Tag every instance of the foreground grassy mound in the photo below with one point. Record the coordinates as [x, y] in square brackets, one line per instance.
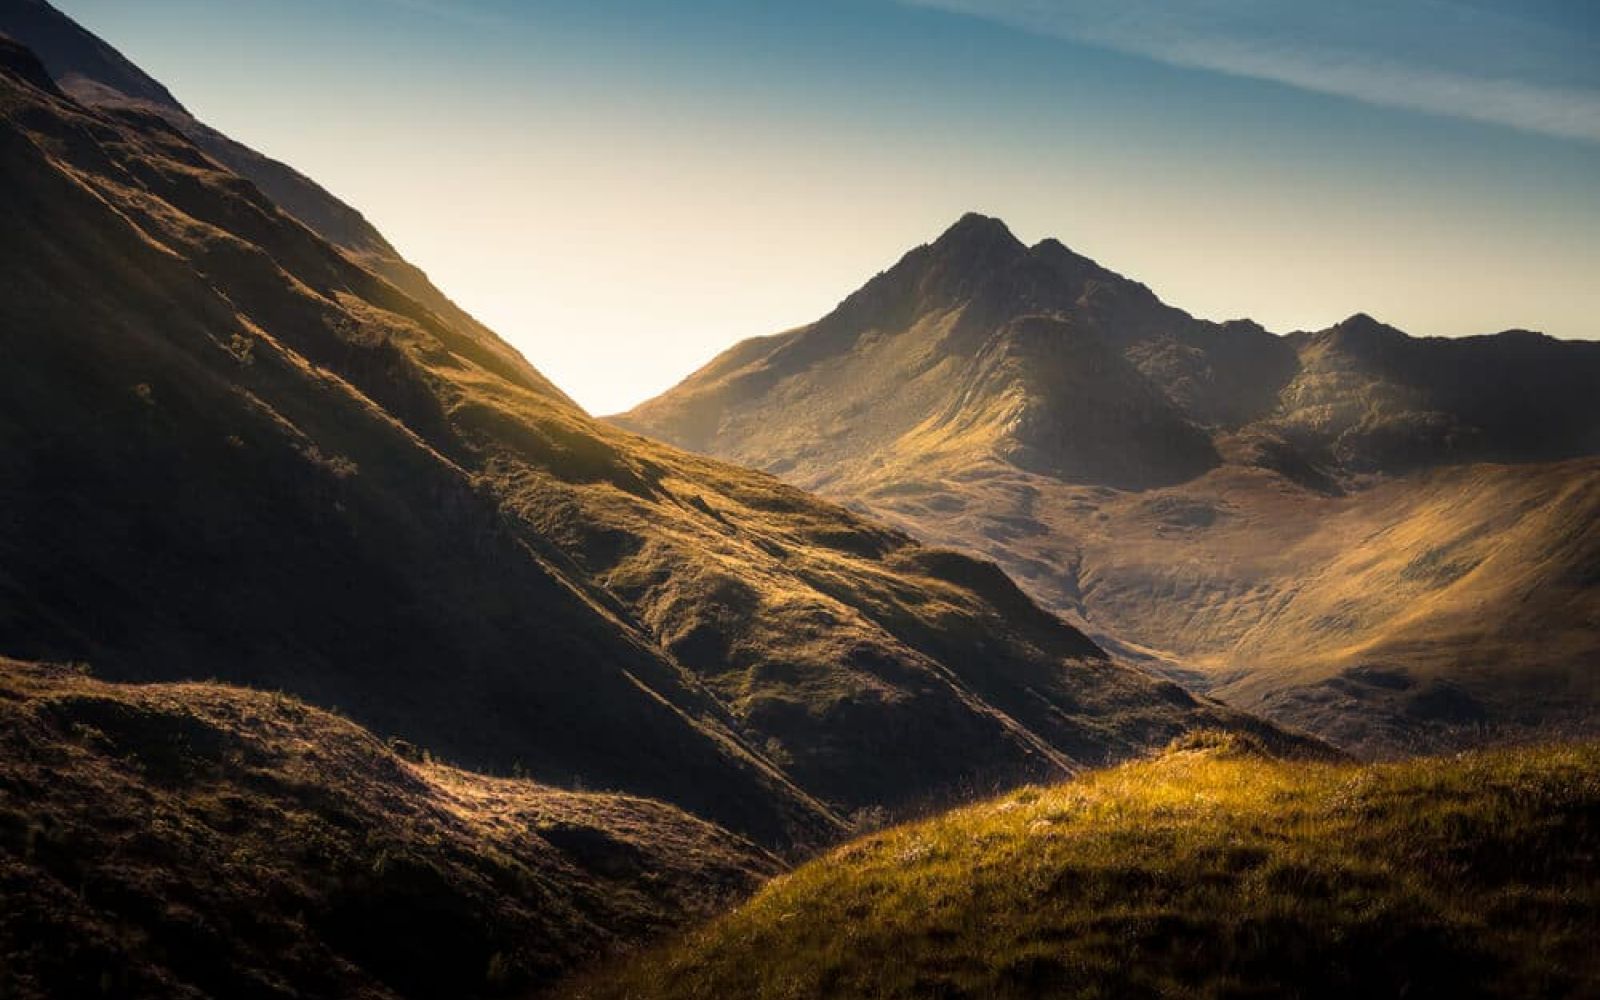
[1211, 871]
[197, 840]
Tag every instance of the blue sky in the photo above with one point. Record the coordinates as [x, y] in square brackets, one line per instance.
[622, 188]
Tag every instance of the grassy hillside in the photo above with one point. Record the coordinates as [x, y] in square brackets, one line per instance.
[197, 840]
[1459, 603]
[1328, 528]
[1419, 613]
[1212, 870]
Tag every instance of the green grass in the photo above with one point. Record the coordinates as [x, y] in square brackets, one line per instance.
[1210, 871]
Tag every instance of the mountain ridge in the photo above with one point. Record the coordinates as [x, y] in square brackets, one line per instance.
[342, 654]
[96, 74]
[1167, 482]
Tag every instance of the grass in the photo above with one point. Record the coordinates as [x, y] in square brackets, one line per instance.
[1212, 870]
[198, 840]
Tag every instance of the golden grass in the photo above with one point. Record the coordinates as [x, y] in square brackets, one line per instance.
[1209, 871]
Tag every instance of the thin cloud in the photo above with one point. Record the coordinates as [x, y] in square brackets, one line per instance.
[1329, 52]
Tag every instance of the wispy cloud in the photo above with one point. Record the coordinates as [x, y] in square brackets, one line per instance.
[1443, 57]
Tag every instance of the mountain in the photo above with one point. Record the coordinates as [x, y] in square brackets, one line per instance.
[1385, 539]
[969, 346]
[234, 451]
[1211, 871]
[97, 75]
[200, 840]
[228, 455]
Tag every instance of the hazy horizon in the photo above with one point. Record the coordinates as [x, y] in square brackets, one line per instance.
[623, 191]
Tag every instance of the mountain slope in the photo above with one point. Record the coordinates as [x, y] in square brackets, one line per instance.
[916, 346]
[1210, 871]
[203, 475]
[1211, 499]
[235, 452]
[1368, 398]
[199, 840]
[963, 348]
[1461, 600]
[96, 74]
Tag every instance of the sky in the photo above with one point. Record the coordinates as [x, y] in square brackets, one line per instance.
[623, 188]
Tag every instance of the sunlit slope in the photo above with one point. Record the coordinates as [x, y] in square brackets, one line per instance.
[978, 347]
[1424, 611]
[1209, 871]
[198, 840]
[1463, 599]
[1255, 514]
[239, 453]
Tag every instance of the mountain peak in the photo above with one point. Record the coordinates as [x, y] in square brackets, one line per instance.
[80, 63]
[1361, 322]
[974, 229]
[1361, 333]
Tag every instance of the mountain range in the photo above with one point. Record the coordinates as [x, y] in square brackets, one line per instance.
[245, 444]
[1390, 541]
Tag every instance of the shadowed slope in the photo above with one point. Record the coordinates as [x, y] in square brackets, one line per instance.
[78, 60]
[220, 465]
[1211, 871]
[1368, 398]
[199, 841]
